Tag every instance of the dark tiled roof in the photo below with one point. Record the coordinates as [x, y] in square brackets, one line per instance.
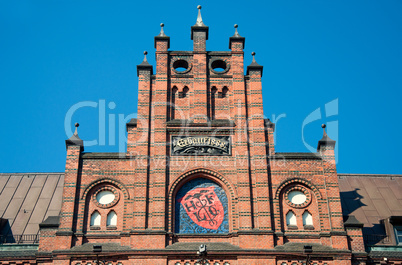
[18, 253]
[299, 247]
[106, 247]
[21, 251]
[371, 198]
[27, 199]
[219, 246]
[388, 254]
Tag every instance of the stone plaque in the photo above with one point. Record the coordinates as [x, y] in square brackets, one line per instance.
[201, 145]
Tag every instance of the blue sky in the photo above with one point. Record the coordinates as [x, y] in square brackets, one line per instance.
[336, 62]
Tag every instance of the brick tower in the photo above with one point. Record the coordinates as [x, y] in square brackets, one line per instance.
[200, 168]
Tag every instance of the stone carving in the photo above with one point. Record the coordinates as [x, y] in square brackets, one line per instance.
[201, 145]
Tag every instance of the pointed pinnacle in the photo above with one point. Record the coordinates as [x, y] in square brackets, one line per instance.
[75, 139]
[254, 65]
[323, 126]
[325, 140]
[199, 18]
[76, 128]
[162, 33]
[145, 56]
[325, 136]
[145, 62]
[236, 33]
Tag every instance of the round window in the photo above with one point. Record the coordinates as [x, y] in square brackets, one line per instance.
[181, 66]
[218, 66]
[297, 197]
[105, 197]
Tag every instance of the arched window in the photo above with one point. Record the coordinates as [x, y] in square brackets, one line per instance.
[307, 218]
[291, 219]
[223, 93]
[95, 219]
[111, 219]
[184, 92]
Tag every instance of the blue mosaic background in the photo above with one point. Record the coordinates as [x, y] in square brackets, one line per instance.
[184, 224]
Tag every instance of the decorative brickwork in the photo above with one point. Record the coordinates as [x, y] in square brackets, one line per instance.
[249, 206]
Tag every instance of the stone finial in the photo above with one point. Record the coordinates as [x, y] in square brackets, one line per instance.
[325, 140]
[236, 38]
[145, 61]
[323, 126]
[254, 62]
[76, 128]
[236, 32]
[144, 65]
[162, 33]
[199, 18]
[254, 65]
[162, 37]
[145, 57]
[75, 139]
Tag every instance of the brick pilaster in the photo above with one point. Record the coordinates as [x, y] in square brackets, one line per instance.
[140, 148]
[71, 192]
[157, 170]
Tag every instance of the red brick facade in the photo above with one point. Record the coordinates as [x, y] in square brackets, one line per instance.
[258, 182]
